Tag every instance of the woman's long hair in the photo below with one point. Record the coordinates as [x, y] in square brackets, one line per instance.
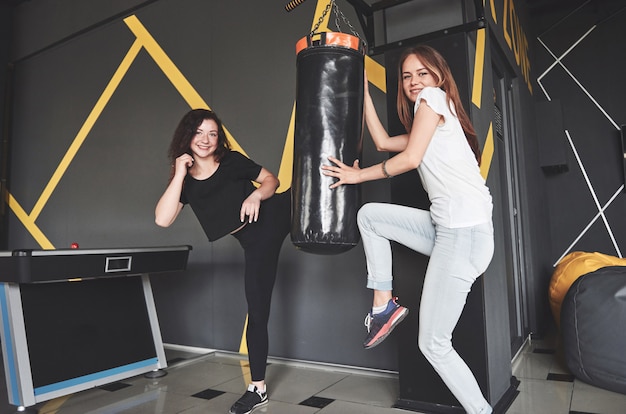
[186, 129]
[437, 66]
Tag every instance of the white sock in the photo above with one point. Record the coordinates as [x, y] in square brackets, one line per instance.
[378, 309]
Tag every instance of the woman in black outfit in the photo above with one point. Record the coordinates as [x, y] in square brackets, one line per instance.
[217, 183]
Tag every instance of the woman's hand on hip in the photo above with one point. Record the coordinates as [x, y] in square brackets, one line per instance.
[250, 208]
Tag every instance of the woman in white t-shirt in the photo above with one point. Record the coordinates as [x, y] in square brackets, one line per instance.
[457, 231]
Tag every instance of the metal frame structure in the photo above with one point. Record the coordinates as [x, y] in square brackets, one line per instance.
[366, 11]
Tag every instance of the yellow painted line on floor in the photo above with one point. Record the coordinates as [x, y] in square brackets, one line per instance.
[52, 406]
[245, 371]
[243, 346]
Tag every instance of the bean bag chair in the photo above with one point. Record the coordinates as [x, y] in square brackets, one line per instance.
[593, 321]
[570, 268]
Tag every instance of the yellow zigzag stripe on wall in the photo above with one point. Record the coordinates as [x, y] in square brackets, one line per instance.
[29, 219]
[375, 75]
[170, 70]
[477, 96]
[29, 223]
[479, 60]
[145, 40]
[182, 85]
[487, 154]
[493, 10]
[85, 129]
[286, 164]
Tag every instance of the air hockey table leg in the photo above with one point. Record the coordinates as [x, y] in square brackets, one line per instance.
[26, 410]
[157, 373]
[156, 329]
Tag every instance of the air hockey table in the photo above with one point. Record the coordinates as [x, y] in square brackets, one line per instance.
[73, 319]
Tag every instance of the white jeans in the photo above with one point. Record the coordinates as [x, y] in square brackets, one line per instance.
[457, 257]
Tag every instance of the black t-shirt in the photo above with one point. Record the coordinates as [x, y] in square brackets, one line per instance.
[216, 201]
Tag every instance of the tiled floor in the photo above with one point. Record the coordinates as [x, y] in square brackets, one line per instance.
[210, 383]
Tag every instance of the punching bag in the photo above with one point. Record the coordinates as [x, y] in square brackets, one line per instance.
[328, 121]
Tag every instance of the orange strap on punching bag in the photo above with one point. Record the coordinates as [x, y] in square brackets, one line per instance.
[329, 121]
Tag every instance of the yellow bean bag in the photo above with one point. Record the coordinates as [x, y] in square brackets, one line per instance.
[570, 268]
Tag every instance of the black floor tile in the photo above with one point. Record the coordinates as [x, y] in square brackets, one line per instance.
[543, 351]
[208, 394]
[317, 402]
[560, 377]
[114, 386]
[175, 360]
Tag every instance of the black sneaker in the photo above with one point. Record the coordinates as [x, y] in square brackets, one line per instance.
[252, 399]
[379, 326]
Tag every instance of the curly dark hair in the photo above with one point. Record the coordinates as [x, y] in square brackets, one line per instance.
[187, 127]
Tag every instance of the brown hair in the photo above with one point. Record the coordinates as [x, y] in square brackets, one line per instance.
[437, 66]
[186, 129]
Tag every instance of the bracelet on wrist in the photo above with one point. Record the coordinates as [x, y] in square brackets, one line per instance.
[385, 173]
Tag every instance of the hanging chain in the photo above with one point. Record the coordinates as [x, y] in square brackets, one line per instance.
[322, 17]
[337, 13]
[345, 20]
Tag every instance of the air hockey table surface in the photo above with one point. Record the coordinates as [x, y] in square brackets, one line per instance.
[73, 319]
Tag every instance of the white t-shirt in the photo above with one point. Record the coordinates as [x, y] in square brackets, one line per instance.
[449, 171]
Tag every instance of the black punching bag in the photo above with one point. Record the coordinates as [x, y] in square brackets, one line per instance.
[329, 121]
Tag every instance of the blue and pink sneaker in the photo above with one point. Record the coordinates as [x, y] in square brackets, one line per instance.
[380, 325]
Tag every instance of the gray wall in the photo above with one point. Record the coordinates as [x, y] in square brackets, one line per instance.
[585, 174]
[5, 44]
[589, 87]
[241, 62]
[511, 36]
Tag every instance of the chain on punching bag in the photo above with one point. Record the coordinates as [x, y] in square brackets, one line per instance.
[329, 121]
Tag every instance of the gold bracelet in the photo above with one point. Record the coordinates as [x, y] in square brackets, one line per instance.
[385, 173]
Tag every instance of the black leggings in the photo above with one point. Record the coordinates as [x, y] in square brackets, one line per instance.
[262, 242]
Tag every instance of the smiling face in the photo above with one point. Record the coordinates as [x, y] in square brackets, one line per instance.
[415, 77]
[205, 139]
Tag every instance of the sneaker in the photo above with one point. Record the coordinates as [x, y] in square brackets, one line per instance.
[252, 399]
[379, 326]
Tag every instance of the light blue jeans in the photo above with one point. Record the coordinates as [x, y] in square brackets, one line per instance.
[457, 257]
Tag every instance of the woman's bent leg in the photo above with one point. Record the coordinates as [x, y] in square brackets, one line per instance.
[380, 223]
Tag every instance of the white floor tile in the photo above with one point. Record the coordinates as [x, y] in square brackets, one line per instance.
[588, 398]
[349, 391]
[545, 397]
